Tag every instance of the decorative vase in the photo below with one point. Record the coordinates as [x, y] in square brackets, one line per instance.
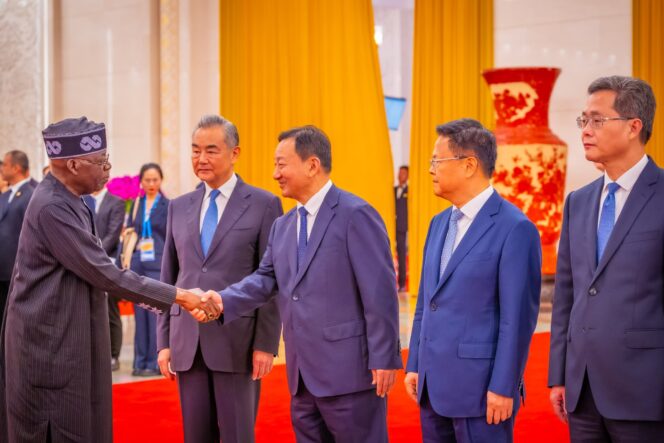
[532, 160]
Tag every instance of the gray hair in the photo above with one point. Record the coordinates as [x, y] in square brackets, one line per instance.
[231, 136]
[468, 137]
[634, 99]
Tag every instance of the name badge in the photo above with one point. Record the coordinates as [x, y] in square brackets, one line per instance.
[146, 246]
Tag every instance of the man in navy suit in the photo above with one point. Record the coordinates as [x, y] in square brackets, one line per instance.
[13, 203]
[478, 299]
[215, 236]
[606, 364]
[329, 265]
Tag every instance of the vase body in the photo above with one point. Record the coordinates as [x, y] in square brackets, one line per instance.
[532, 160]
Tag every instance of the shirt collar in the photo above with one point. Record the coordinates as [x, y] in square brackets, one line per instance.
[99, 197]
[226, 189]
[316, 200]
[473, 207]
[15, 187]
[629, 178]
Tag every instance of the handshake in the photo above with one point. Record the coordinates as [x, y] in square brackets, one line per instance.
[203, 306]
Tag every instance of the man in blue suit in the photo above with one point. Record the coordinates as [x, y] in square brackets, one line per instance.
[478, 299]
[328, 262]
[606, 364]
[15, 170]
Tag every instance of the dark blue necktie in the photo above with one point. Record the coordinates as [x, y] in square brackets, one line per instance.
[302, 238]
[607, 219]
[209, 222]
[91, 203]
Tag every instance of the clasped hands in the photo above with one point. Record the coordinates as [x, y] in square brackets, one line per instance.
[203, 306]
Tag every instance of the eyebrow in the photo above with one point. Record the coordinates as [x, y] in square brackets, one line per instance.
[194, 145]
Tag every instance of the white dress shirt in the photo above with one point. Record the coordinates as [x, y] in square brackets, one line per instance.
[98, 199]
[225, 192]
[470, 211]
[15, 187]
[312, 207]
[626, 183]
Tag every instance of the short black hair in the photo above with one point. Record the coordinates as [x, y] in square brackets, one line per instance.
[403, 167]
[146, 167]
[469, 137]
[20, 159]
[634, 99]
[311, 141]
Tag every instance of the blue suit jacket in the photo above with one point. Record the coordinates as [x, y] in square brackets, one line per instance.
[11, 221]
[340, 309]
[159, 218]
[472, 327]
[608, 317]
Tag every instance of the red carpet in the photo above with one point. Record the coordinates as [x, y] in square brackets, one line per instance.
[150, 411]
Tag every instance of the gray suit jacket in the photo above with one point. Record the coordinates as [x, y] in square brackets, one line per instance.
[236, 249]
[108, 220]
[608, 317]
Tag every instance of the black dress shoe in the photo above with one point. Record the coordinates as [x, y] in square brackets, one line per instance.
[115, 364]
[136, 372]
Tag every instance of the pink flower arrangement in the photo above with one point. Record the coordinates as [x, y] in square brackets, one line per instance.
[127, 187]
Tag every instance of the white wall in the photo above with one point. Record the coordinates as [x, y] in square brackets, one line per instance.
[586, 39]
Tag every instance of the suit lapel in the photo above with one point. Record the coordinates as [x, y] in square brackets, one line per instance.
[435, 251]
[237, 204]
[4, 204]
[638, 197]
[482, 222]
[193, 219]
[325, 215]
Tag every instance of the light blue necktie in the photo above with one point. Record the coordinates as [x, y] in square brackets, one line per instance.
[450, 238]
[302, 237]
[607, 219]
[209, 222]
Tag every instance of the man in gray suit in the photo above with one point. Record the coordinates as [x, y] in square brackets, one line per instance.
[606, 365]
[109, 212]
[13, 203]
[216, 235]
[55, 380]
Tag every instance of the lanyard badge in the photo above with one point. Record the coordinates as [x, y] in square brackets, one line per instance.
[146, 245]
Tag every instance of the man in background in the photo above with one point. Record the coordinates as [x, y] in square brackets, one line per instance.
[478, 300]
[215, 236]
[607, 327]
[109, 212]
[401, 205]
[15, 171]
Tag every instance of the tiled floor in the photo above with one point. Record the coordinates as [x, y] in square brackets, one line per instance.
[406, 309]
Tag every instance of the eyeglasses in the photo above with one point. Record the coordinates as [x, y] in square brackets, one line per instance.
[434, 161]
[102, 163]
[596, 122]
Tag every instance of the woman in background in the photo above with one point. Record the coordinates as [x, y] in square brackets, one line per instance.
[150, 224]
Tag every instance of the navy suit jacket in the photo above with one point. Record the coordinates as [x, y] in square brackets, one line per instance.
[11, 220]
[608, 317]
[340, 309]
[158, 219]
[235, 252]
[473, 326]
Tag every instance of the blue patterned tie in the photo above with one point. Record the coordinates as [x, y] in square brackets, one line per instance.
[448, 247]
[209, 222]
[302, 236]
[607, 219]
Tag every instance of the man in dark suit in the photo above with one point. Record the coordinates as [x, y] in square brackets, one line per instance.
[109, 213]
[478, 299]
[13, 203]
[215, 236]
[607, 329]
[329, 265]
[401, 205]
[55, 380]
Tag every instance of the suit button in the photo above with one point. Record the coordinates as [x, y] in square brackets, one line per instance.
[592, 291]
[433, 306]
[204, 269]
[296, 298]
